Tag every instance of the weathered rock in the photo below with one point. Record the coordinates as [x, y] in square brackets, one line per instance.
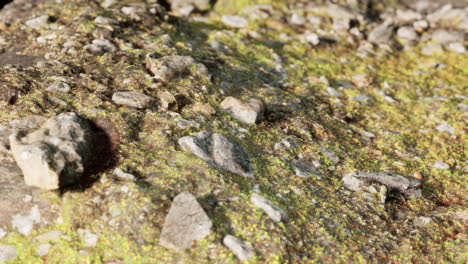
[43, 249]
[100, 46]
[274, 212]
[441, 165]
[133, 99]
[50, 236]
[450, 17]
[205, 109]
[234, 21]
[409, 187]
[406, 16]
[362, 80]
[38, 22]
[456, 47]
[8, 253]
[407, 34]
[444, 36]
[185, 223]
[219, 151]
[168, 68]
[248, 112]
[242, 249]
[333, 92]
[431, 49]
[55, 155]
[304, 170]
[168, 101]
[446, 127]
[382, 33]
[363, 99]
[286, 143]
[60, 87]
[201, 5]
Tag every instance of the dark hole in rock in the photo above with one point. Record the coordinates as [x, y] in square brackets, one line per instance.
[4, 3]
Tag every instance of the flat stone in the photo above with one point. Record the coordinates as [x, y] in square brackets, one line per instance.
[54, 155]
[333, 92]
[274, 212]
[50, 236]
[201, 5]
[242, 249]
[382, 33]
[362, 80]
[219, 151]
[248, 112]
[234, 21]
[407, 34]
[446, 127]
[168, 68]
[44, 249]
[100, 46]
[445, 36]
[363, 99]
[38, 22]
[441, 165]
[185, 223]
[133, 99]
[8, 253]
[60, 87]
[409, 187]
[304, 170]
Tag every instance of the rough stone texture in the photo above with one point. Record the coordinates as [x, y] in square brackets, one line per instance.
[409, 187]
[199, 4]
[168, 68]
[8, 253]
[446, 127]
[304, 170]
[234, 21]
[219, 151]
[61, 87]
[55, 155]
[21, 206]
[274, 212]
[382, 33]
[100, 46]
[444, 36]
[242, 249]
[407, 34]
[132, 99]
[248, 112]
[185, 223]
[38, 22]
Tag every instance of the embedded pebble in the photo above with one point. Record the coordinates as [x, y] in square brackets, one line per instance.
[8, 253]
[441, 165]
[132, 99]
[234, 21]
[274, 212]
[60, 87]
[446, 127]
[242, 249]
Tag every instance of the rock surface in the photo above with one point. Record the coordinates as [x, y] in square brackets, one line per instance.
[273, 211]
[219, 151]
[8, 253]
[185, 223]
[248, 112]
[168, 68]
[243, 250]
[132, 99]
[55, 155]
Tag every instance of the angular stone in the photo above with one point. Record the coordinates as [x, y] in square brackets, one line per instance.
[409, 187]
[362, 80]
[205, 109]
[100, 46]
[304, 170]
[219, 151]
[54, 155]
[446, 127]
[38, 22]
[234, 21]
[168, 68]
[185, 223]
[248, 112]
[8, 253]
[241, 248]
[382, 33]
[407, 34]
[60, 87]
[274, 212]
[133, 99]
[201, 5]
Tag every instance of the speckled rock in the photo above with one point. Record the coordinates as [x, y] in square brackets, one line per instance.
[132, 99]
[60, 87]
[248, 112]
[383, 33]
[219, 151]
[234, 21]
[273, 211]
[185, 223]
[168, 68]
[100, 46]
[243, 250]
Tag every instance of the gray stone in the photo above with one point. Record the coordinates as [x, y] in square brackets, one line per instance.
[304, 170]
[312, 38]
[38, 22]
[286, 143]
[446, 127]
[219, 151]
[445, 36]
[421, 221]
[409, 187]
[123, 175]
[8, 253]
[456, 47]
[168, 68]
[201, 5]
[25, 223]
[331, 155]
[100, 46]
[242, 249]
[2, 233]
[89, 238]
[407, 16]
[50, 236]
[450, 17]
[248, 112]
[431, 49]
[441, 165]
[60, 87]
[297, 19]
[420, 25]
[363, 99]
[185, 223]
[333, 92]
[54, 155]
[382, 33]
[184, 123]
[407, 34]
[133, 99]
[44, 249]
[274, 212]
[234, 21]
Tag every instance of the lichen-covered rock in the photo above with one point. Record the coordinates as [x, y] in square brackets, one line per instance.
[168, 68]
[185, 223]
[409, 187]
[248, 112]
[54, 155]
[273, 211]
[219, 151]
[133, 99]
[241, 248]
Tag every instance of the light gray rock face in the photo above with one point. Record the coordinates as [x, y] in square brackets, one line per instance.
[407, 34]
[219, 151]
[248, 112]
[243, 250]
[185, 223]
[446, 127]
[444, 36]
[382, 33]
[201, 5]
[133, 99]
[274, 212]
[54, 155]
[8, 253]
[441, 165]
[43, 249]
[38, 22]
[304, 170]
[409, 187]
[60, 87]
[168, 68]
[100, 46]
[234, 21]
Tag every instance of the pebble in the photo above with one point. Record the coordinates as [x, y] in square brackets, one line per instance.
[243, 250]
[234, 21]
[446, 127]
[38, 22]
[44, 249]
[333, 92]
[362, 80]
[8, 253]
[274, 212]
[123, 175]
[100, 46]
[60, 87]
[441, 165]
[248, 112]
[132, 99]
